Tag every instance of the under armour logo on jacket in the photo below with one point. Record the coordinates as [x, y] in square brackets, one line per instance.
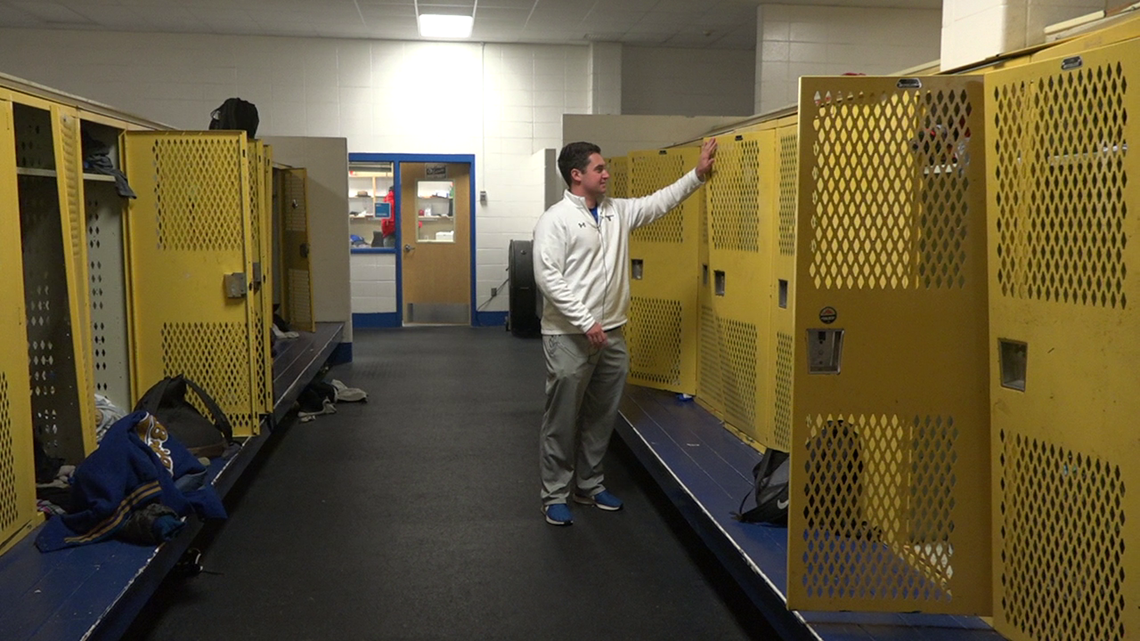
[581, 225]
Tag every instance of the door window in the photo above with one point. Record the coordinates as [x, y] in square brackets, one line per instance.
[435, 207]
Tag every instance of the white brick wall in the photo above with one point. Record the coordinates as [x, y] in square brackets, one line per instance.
[794, 41]
[605, 69]
[687, 82]
[373, 278]
[501, 103]
[973, 30]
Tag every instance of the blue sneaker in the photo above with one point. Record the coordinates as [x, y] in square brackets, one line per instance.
[602, 500]
[557, 514]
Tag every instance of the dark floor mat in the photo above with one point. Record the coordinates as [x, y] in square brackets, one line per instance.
[416, 516]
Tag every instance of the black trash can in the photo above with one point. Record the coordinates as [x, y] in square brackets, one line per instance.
[523, 319]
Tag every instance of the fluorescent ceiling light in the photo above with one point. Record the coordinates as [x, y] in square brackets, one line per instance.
[433, 25]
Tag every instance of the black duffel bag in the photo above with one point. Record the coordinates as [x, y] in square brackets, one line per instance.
[167, 401]
[236, 114]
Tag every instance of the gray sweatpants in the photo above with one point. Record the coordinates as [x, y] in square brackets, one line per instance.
[583, 390]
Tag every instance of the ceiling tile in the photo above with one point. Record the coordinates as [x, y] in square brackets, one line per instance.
[731, 23]
[13, 17]
[507, 4]
[51, 12]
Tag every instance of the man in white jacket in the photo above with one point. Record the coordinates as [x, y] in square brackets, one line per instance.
[581, 266]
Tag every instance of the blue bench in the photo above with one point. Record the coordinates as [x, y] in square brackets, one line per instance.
[706, 471]
[96, 591]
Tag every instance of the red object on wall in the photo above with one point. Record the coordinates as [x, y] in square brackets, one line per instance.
[388, 225]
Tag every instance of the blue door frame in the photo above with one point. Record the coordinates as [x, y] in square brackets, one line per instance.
[397, 319]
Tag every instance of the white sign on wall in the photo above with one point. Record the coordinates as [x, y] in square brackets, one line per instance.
[436, 171]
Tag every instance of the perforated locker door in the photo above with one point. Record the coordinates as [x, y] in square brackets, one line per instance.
[781, 306]
[69, 178]
[665, 277]
[190, 260]
[739, 210]
[890, 476]
[298, 290]
[62, 412]
[618, 168]
[1063, 298]
[268, 257]
[18, 513]
[259, 327]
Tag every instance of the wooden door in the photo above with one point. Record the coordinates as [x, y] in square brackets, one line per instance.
[435, 220]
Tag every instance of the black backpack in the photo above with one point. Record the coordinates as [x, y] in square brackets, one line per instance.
[167, 401]
[771, 475]
[237, 114]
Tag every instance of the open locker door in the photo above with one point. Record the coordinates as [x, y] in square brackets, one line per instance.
[295, 268]
[190, 261]
[73, 222]
[260, 287]
[18, 513]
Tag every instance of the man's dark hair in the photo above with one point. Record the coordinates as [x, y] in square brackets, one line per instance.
[576, 155]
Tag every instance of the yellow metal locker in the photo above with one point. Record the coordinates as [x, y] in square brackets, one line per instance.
[618, 186]
[665, 277]
[1063, 346]
[18, 514]
[190, 257]
[890, 482]
[740, 208]
[260, 308]
[295, 268]
[56, 294]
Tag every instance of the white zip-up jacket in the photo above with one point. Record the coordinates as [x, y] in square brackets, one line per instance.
[582, 267]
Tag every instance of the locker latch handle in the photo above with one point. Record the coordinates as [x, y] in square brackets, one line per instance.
[304, 250]
[235, 285]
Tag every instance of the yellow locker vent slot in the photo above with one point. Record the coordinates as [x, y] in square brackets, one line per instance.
[648, 174]
[296, 218]
[299, 290]
[188, 218]
[704, 226]
[735, 196]
[783, 418]
[214, 355]
[655, 340]
[9, 498]
[789, 156]
[1061, 536]
[878, 507]
[710, 387]
[738, 371]
[1061, 187]
[71, 181]
[865, 231]
[619, 176]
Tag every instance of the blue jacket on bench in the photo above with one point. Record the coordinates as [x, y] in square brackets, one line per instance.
[136, 464]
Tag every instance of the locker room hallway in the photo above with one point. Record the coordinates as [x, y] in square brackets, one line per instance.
[416, 516]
